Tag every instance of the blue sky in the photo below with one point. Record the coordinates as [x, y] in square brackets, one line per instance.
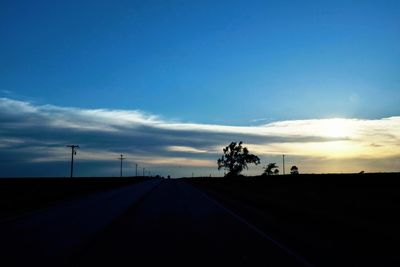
[191, 59]
[237, 63]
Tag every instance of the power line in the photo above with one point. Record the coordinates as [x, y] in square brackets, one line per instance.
[73, 152]
[121, 158]
[283, 159]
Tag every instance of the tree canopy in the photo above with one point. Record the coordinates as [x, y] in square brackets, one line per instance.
[235, 159]
[271, 169]
[294, 170]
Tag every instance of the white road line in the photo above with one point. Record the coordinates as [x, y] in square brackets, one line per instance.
[257, 230]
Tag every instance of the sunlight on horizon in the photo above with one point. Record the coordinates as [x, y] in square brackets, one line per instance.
[345, 139]
[337, 127]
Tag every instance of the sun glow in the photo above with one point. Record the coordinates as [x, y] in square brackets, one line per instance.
[344, 139]
[336, 128]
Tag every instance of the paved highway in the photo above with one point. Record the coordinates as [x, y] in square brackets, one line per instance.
[155, 222]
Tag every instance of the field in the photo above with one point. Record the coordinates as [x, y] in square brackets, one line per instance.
[20, 195]
[333, 220]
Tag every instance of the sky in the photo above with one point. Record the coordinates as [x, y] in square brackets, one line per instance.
[170, 83]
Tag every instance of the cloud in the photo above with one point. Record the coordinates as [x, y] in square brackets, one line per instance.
[37, 134]
[186, 149]
[5, 92]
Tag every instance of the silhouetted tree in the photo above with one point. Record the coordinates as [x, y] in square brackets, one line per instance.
[276, 172]
[269, 170]
[235, 159]
[294, 170]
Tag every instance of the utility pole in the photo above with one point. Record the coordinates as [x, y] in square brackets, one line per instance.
[143, 171]
[283, 159]
[136, 169]
[73, 152]
[121, 158]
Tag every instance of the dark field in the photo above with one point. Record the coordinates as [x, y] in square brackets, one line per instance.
[20, 195]
[332, 220]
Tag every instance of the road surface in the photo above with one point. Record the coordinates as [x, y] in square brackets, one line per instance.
[155, 222]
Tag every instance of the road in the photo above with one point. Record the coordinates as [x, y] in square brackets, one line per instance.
[167, 222]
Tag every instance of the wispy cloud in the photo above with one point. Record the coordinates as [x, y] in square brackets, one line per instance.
[39, 133]
[5, 92]
[186, 149]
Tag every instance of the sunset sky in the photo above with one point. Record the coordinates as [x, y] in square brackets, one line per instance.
[169, 83]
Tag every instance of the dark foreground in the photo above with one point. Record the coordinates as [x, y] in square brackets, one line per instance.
[342, 220]
[146, 224]
[332, 220]
[21, 195]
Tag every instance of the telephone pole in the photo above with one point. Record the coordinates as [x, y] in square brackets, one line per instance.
[283, 159]
[121, 158]
[136, 169]
[73, 152]
[143, 171]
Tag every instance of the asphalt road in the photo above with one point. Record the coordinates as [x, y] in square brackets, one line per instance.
[157, 222]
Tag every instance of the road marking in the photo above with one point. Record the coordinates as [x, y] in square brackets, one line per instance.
[256, 229]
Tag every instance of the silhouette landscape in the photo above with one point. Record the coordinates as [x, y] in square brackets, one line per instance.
[200, 133]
